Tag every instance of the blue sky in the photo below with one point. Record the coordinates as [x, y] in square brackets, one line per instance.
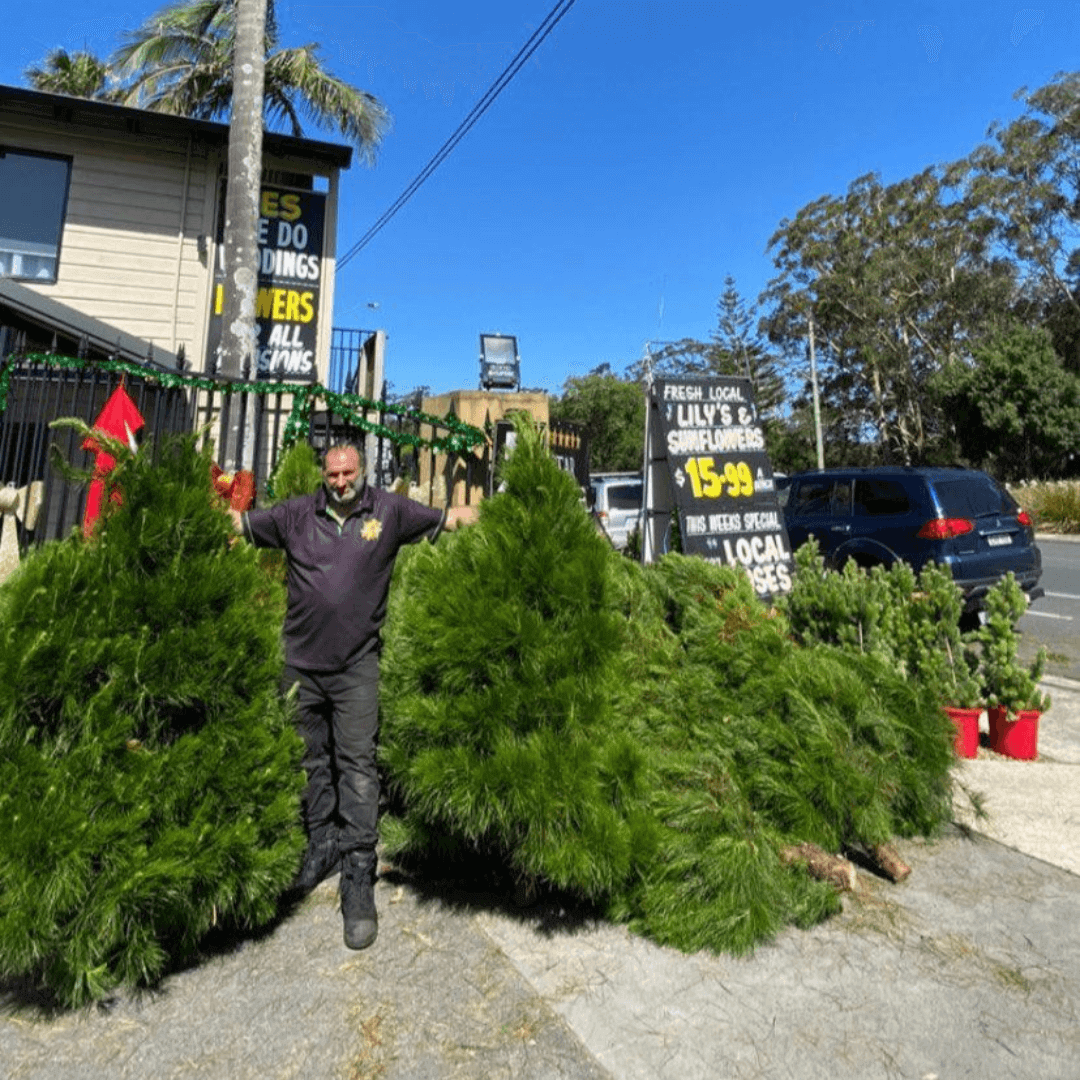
[648, 149]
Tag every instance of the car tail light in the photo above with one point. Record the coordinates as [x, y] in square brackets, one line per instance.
[945, 528]
[1025, 519]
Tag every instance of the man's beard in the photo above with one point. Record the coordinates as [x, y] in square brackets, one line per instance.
[343, 502]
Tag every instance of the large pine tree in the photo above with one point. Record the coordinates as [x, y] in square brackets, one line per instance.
[649, 738]
[498, 731]
[149, 776]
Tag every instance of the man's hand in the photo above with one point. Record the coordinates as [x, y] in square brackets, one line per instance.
[460, 515]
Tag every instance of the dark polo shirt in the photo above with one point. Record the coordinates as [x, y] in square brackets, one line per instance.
[338, 572]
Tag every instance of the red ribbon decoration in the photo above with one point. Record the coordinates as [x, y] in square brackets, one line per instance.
[119, 419]
[237, 489]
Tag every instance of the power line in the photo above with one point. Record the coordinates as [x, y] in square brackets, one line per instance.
[552, 19]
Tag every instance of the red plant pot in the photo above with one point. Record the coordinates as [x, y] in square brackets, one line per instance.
[1015, 736]
[966, 741]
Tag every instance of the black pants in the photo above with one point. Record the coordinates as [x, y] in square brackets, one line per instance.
[339, 722]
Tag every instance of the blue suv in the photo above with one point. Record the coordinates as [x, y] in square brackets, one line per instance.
[960, 518]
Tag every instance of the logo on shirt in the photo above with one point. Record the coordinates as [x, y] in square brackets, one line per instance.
[371, 529]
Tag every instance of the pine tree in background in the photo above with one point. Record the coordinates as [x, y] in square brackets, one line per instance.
[297, 473]
[150, 778]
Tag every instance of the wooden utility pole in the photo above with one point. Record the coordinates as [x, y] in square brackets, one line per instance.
[816, 397]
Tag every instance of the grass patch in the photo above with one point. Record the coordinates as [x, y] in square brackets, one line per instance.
[370, 1064]
[1012, 978]
[1054, 506]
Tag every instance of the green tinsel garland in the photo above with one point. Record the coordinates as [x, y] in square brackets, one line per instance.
[351, 407]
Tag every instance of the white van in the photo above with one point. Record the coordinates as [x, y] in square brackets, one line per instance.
[617, 499]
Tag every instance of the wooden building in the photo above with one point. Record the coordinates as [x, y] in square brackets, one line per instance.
[115, 213]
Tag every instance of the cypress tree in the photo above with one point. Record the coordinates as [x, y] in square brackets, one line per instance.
[149, 775]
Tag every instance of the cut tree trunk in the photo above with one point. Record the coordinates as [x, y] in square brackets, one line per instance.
[890, 863]
[819, 863]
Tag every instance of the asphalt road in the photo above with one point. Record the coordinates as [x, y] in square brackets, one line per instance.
[1054, 620]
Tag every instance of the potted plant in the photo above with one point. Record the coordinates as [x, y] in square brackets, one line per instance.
[927, 632]
[963, 697]
[1015, 702]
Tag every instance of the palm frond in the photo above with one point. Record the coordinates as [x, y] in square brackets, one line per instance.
[326, 99]
[180, 61]
[79, 74]
[279, 110]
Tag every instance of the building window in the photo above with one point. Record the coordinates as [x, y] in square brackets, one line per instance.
[33, 199]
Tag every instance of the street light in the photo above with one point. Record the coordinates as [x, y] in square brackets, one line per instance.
[500, 367]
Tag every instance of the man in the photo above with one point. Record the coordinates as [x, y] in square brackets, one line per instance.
[340, 545]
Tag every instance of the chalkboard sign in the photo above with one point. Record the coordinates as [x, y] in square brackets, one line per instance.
[708, 462]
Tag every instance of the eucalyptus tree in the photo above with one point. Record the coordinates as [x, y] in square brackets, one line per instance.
[1028, 177]
[891, 283]
[1016, 410]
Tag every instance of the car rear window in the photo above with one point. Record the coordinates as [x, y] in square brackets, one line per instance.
[624, 496]
[973, 495]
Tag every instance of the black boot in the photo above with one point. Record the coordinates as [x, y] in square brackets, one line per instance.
[321, 860]
[358, 899]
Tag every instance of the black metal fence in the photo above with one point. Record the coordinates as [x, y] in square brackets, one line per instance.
[354, 364]
[37, 390]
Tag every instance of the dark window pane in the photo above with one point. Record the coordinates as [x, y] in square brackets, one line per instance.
[812, 497]
[841, 500]
[33, 196]
[878, 498]
[625, 497]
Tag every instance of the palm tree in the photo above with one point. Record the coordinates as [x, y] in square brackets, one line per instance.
[238, 331]
[79, 74]
[180, 61]
[197, 58]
